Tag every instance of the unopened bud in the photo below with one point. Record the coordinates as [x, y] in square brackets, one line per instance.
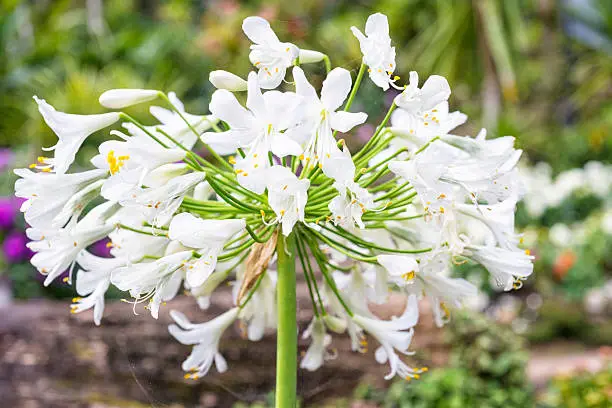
[121, 98]
[335, 324]
[309, 56]
[228, 81]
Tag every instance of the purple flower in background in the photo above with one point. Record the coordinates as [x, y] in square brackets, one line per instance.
[364, 133]
[6, 158]
[9, 207]
[14, 247]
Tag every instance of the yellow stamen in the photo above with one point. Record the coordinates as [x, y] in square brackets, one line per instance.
[408, 276]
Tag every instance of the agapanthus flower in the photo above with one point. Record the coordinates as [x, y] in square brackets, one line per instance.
[378, 54]
[263, 128]
[72, 130]
[276, 187]
[268, 54]
[205, 337]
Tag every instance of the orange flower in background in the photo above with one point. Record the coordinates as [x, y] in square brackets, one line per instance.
[563, 264]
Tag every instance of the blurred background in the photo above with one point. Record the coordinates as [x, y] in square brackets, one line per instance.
[540, 70]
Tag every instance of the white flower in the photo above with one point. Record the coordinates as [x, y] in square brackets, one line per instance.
[322, 116]
[133, 246]
[205, 337]
[394, 334]
[228, 81]
[443, 291]
[57, 249]
[498, 217]
[157, 281]
[508, 268]
[53, 199]
[121, 98]
[72, 130]
[207, 237]
[417, 100]
[129, 162]
[262, 128]
[158, 204]
[378, 54]
[92, 281]
[259, 313]
[402, 269]
[416, 130]
[270, 56]
[353, 200]
[317, 351]
[287, 196]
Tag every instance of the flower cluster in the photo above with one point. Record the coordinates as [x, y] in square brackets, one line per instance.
[389, 217]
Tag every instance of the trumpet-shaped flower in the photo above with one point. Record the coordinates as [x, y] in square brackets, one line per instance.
[72, 130]
[401, 269]
[418, 129]
[353, 200]
[287, 196]
[317, 351]
[417, 100]
[498, 217]
[205, 337]
[323, 116]
[378, 54]
[270, 56]
[394, 334]
[158, 204]
[92, 281]
[266, 126]
[57, 249]
[207, 237]
[508, 268]
[53, 199]
[157, 281]
[133, 246]
[129, 162]
[430, 278]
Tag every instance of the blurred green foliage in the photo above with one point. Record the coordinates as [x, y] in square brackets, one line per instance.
[581, 390]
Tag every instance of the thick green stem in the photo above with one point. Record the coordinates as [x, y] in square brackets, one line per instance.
[286, 348]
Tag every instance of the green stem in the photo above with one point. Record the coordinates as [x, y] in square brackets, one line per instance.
[286, 348]
[362, 70]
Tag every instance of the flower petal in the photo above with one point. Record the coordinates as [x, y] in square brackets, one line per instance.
[258, 30]
[377, 25]
[225, 106]
[345, 121]
[335, 89]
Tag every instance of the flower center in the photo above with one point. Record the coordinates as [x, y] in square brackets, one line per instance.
[115, 163]
[408, 276]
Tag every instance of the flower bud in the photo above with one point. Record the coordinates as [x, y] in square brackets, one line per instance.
[228, 81]
[310, 56]
[334, 324]
[121, 98]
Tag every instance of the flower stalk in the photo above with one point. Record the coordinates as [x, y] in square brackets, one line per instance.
[286, 349]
